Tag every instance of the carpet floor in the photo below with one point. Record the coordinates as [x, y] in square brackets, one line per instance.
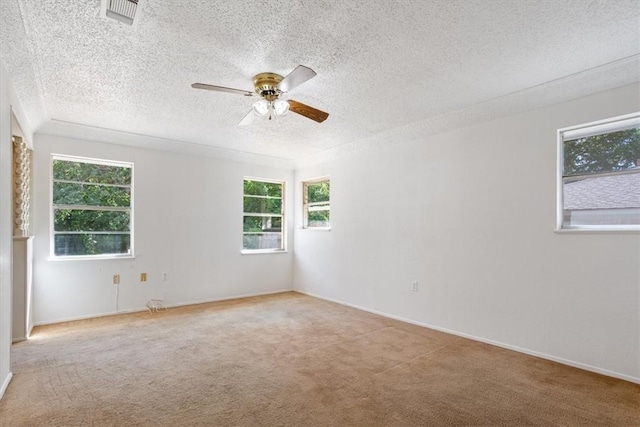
[292, 360]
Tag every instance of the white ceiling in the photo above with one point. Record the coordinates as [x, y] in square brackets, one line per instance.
[383, 66]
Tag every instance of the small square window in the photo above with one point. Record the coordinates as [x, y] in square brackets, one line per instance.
[599, 184]
[317, 204]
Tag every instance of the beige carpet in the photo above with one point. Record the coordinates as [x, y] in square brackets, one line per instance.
[292, 360]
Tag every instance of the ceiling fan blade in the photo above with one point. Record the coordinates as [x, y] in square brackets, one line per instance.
[248, 119]
[299, 75]
[221, 89]
[308, 112]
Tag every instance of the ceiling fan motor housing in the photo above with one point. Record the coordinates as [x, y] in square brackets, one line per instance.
[266, 85]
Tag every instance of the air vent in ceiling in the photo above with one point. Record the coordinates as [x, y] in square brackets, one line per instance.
[121, 10]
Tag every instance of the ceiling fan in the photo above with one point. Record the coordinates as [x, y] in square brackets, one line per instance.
[269, 87]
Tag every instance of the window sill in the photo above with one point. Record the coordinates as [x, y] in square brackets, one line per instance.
[317, 228]
[263, 251]
[597, 231]
[89, 258]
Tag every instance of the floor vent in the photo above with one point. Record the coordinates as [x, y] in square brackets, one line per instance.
[121, 10]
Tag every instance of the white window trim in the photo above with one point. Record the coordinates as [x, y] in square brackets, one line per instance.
[581, 131]
[305, 225]
[244, 251]
[78, 159]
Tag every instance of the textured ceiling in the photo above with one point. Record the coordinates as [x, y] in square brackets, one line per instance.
[382, 65]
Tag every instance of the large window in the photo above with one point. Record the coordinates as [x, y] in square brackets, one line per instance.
[599, 186]
[91, 207]
[263, 217]
[316, 203]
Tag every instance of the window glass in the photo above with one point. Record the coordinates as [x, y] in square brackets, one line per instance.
[608, 152]
[316, 205]
[601, 176]
[263, 216]
[91, 207]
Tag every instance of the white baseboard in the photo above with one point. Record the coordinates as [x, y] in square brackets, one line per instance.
[5, 384]
[484, 340]
[259, 294]
[139, 309]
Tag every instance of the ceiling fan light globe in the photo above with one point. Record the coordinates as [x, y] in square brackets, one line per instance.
[261, 108]
[281, 107]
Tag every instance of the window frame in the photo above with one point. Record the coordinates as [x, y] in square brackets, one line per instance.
[585, 130]
[282, 216]
[306, 204]
[52, 208]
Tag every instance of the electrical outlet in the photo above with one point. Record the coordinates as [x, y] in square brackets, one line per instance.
[414, 286]
[143, 277]
[165, 276]
[116, 279]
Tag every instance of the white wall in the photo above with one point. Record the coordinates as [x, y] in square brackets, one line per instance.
[470, 215]
[187, 223]
[5, 230]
